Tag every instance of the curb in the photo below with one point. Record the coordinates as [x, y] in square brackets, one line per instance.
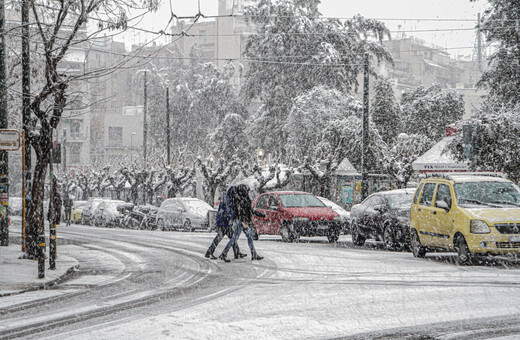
[45, 285]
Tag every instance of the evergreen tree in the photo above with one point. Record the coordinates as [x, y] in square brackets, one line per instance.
[500, 27]
[498, 141]
[296, 50]
[385, 110]
[427, 111]
[311, 113]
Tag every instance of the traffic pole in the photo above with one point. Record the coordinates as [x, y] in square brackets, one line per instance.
[4, 158]
[52, 224]
[26, 122]
[41, 256]
[365, 139]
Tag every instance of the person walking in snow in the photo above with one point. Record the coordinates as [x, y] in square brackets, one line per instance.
[54, 204]
[225, 224]
[242, 219]
[67, 206]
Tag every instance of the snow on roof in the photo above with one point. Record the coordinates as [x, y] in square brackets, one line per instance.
[346, 168]
[473, 178]
[434, 159]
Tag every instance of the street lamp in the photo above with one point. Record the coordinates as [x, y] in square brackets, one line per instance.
[260, 156]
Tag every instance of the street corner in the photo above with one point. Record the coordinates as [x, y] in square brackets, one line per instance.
[19, 275]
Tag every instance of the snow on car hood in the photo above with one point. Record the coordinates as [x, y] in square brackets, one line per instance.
[313, 213]
[495, 215]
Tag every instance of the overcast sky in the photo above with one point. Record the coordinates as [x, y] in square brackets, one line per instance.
[399, 15]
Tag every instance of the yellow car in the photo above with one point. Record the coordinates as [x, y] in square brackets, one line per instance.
[77, 211]
[473, 215]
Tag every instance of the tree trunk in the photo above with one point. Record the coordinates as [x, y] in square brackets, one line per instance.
[35, 225]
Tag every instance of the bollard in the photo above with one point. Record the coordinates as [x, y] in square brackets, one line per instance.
[52, 246]
[41, 256]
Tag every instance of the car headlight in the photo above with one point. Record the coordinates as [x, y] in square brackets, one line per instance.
[478, 227]
[337, 218]
[300, 219]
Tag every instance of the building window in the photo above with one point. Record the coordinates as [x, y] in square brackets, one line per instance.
[74, 153]
[115, 136]
[75, 128]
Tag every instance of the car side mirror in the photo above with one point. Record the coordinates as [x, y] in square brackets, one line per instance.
[379, 208]
[273, 207]
[442, 205]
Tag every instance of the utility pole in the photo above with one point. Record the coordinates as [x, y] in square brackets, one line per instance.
[26, 116]
[64, 156]
[4, 158]
[168, 126]
[52, 225]
[364, 140]
[145, 123]
[479, 45]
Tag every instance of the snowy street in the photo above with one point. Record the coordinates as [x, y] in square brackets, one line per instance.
[153, 284]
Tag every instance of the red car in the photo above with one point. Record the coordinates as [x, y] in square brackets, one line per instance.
[292, 214]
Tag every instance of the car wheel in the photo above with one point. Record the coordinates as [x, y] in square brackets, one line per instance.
[388, 238]
[464, 255]
[187, 226]
[334, 237]
[153, 225]
[357, 237]
[133, 223]
[285, 233]
[417, 249]
[161, 224]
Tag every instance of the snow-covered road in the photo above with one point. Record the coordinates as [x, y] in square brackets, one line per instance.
[310, 289]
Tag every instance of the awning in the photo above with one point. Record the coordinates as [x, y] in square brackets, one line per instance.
[437, 160]
[346, 168]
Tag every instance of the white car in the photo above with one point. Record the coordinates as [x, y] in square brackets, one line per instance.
[345, 215]
[107, 214]
[184, 213]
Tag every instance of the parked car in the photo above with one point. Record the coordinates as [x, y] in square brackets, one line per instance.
[292, 214]
[87, 216]
[15, 206]
[383, 216]
[107, 213]
[76, 212]
[345, 215]
[473, 215]
[183, 213]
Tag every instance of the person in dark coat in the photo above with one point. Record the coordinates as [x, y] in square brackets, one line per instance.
[55, 204]
[225, 224]
[67, 206]
[242, 219]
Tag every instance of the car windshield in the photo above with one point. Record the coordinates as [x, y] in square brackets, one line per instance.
[197, 206]
[300, 201]
[400, 201]
[113, 205]
[491, 193]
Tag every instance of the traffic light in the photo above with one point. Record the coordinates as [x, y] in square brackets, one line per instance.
[56, 154]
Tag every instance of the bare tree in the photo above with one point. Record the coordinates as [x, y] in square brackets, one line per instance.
[61, 25]
[214, 176]
[322, 170]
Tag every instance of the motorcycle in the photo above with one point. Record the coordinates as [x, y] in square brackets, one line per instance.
[142, 217]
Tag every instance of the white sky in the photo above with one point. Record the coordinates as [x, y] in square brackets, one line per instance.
[449, 34]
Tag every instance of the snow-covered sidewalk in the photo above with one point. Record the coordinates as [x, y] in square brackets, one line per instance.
[18, 275]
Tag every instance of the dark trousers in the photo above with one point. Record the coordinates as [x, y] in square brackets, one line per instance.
[67, 215]
[221, 232]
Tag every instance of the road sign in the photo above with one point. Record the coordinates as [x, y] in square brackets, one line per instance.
[9, 140]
